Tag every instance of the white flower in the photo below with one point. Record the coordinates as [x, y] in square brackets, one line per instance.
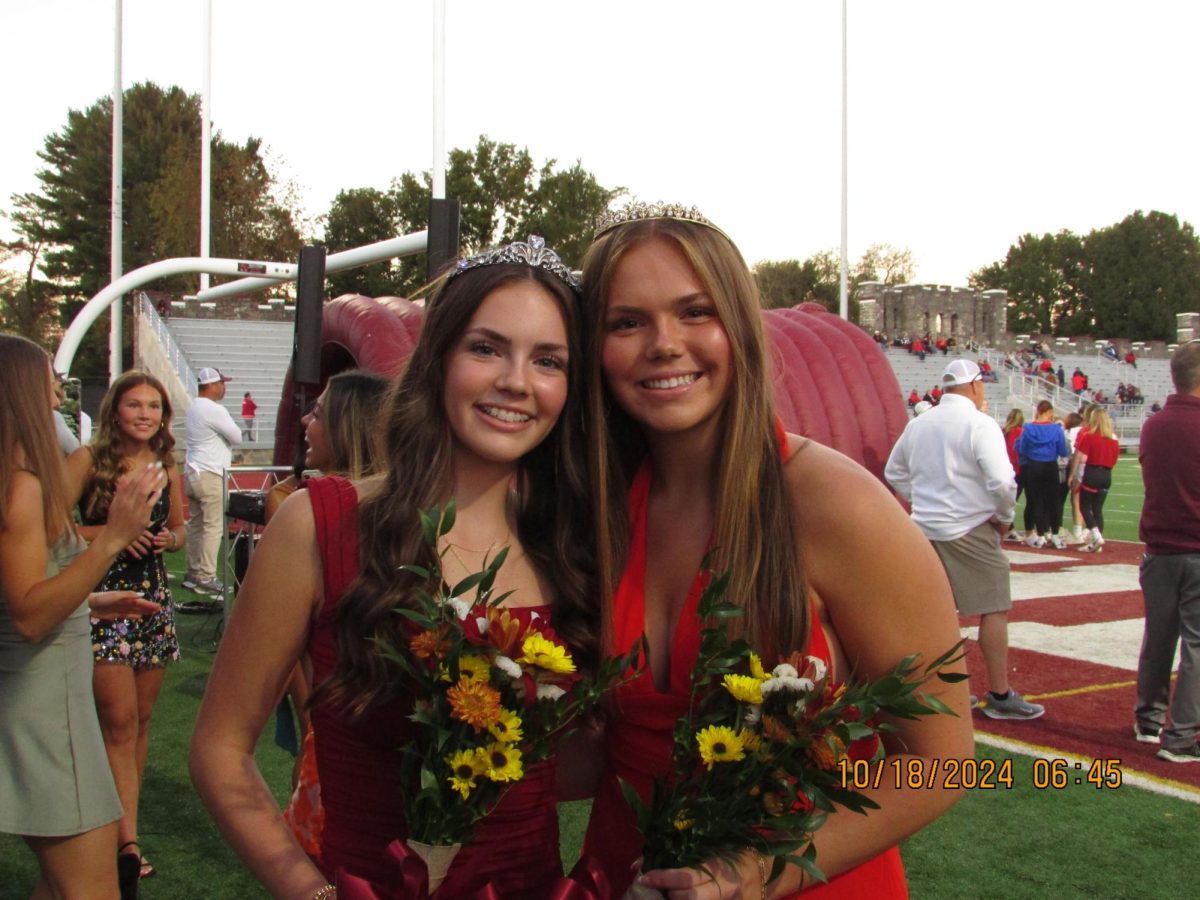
[482, 623]
[789, 683]
[783, 670]
[508, 667]
[549, 692]
[818, 667]
[460, 605]
[753, 715]
[534, 615]
[798, 708]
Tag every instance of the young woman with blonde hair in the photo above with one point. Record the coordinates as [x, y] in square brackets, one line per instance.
[56, 790]
[1096, 454]
[689, 457]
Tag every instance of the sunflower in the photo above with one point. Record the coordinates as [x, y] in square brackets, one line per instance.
[465, 767]
[537, 650]
[507, 729]
[744, 688]
[474, 667]
[719, 743]
[502, 762]
[475, 702]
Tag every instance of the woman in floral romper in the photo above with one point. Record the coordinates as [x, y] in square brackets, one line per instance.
[133, 429]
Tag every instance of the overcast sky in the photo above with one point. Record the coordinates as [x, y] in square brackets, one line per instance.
[971, 123]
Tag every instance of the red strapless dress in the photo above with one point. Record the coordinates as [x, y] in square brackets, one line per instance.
[640, 735]
[514, 850]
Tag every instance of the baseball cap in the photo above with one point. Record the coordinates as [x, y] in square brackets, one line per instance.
[959, 372]
[922, 406]
[209, 375]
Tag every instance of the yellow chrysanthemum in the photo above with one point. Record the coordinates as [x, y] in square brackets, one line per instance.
[682, 822]
[756, 668]
[751, 741]
[475, 702]
[536, 650]
[502, 762]
[744, 688]
[474, 667]
[465, 767]
[507, 730]
[719, 743]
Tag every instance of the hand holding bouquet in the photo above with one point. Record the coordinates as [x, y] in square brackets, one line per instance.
[758, 757]
[492, 688]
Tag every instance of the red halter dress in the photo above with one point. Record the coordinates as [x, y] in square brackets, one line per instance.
[514, 850]
[640, 735]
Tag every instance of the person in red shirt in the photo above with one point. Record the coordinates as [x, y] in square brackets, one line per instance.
[248, 408]
[936, 395]
[1131, 358]
[914, 398]
[1096, 452]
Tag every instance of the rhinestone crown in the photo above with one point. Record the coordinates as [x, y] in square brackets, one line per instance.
[636, 210]
[533, 253]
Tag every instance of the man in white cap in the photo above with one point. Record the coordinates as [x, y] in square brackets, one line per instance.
[952, 466]
[211, 437]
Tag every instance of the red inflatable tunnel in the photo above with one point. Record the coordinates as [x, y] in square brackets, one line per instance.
[832, 382]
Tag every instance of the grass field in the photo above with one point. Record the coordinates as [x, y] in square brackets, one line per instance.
[1021, 843]
[1123, 506]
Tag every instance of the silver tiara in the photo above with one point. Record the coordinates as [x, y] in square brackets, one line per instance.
[637, 210]
[533, 253]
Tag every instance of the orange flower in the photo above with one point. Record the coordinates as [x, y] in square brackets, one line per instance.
[428, 644]
[475, 702]
[505, 631]
[826, 750]
[774, 730]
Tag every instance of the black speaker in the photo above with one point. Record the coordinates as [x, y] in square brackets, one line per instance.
[310, 290]
[443, 236]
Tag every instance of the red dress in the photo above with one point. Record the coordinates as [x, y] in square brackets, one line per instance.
[515, 849]
[640, 735]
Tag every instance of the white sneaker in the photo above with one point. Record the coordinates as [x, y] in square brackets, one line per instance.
[1080, 535]
[1036, 541]
[1058, 542]
[1014, 536]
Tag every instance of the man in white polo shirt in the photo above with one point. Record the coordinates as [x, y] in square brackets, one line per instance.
[951, 464]
[211, 437]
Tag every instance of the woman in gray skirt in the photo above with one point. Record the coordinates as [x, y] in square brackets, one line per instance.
[56, 790]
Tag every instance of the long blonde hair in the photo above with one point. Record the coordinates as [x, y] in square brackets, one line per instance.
[108, 461]
[754, 533]
[26, 423]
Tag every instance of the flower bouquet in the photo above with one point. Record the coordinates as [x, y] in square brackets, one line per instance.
[492, 692]
[759, 759]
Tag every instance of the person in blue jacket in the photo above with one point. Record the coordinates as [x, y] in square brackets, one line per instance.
[1038, 448]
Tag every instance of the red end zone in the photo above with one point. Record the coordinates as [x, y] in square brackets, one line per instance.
[1073, 648]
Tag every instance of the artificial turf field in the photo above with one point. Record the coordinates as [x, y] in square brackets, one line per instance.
[1137, 840]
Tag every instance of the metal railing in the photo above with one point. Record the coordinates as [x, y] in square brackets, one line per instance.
[171, 349]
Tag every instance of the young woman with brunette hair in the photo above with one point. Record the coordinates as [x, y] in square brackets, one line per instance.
[486, 413]
[688, 457]
[56, 790]
[133, 429]
[1040, 445]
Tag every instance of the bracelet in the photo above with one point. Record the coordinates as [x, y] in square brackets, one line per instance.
[326, 893]
[175, 544]
[762, 874]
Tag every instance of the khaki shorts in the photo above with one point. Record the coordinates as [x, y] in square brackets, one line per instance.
[978, 571]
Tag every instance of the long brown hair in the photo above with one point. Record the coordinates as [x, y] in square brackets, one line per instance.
[552, 507]
[349, 407]
[26, 423]
[108, 462]
[754, 535]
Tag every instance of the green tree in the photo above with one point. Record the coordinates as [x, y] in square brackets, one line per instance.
[1140, 273]
[28, 304]
[818, 278]
[503, 198]
[1043, 278]
[357, 217]
[69, 216]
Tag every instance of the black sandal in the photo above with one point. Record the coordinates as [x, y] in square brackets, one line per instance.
[129, 870]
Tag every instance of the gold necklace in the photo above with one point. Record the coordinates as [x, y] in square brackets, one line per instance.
[454, 548]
